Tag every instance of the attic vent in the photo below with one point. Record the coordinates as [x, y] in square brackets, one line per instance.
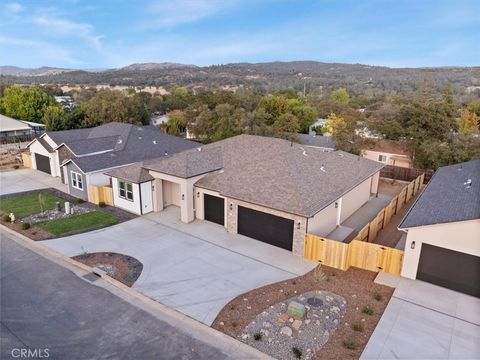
[155, 142]
[341, 155]
[322, 168]
[199, 149]
[119, 141]
[166, 152]
[139, 138]
[304, 153]
[468, 183]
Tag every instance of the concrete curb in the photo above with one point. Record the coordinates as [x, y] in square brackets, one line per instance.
[233, 348]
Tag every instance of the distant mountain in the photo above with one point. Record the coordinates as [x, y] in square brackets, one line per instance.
[41, 71]
[154, 66]
[264, 77]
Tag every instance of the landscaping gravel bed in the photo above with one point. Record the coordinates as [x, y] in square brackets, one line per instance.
[276, 333]
[55, 214]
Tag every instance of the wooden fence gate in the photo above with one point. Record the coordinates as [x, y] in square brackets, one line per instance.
[358, 254]
[97, 194]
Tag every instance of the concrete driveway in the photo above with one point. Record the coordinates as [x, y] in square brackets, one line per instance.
[28, 179]
[424, 321]
[196, 268]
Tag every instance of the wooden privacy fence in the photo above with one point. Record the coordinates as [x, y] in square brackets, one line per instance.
[369, 232]
[358, 254]
[96, 194]
[27, 159]
[405, 174]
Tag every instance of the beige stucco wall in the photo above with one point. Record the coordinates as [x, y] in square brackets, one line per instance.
[375, 182]
[199, 199]
[324, 222]
[171, 193]
[461, 236]
[355, 198]
[37, 148]
[400, 160]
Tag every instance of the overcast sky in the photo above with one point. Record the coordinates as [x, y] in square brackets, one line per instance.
[114, 33]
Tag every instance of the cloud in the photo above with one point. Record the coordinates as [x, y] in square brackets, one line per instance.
[14, 8]
[50, 53]
[63, 27]
[173, 13]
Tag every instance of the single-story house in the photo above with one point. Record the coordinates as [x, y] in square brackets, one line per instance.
[269, 189]
[443, 230]
[82, 156]
[388, 152]
[12, 128]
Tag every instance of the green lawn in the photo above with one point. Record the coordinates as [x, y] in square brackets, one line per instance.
[78, 223]
[25, 205]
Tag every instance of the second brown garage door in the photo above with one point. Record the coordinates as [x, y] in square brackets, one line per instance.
[451, 269]
[271, 229]
[43, 163]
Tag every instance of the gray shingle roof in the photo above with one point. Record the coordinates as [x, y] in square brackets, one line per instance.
[134, 173]
[120, 143]
[45, 144]
[318, 141]
[446, 199]
[282, 175]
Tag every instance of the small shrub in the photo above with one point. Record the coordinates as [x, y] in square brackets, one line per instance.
[79, 201]
[377, 296]
[357, 326]
[297, 352]
[6, 218]
[16, 167]
[350, 344]
[25, 226]
[257, 336]
[102, 204]
[368, 310]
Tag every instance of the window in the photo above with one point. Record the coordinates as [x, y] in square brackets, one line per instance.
[382, 158]
[125, 190]
[77, 180]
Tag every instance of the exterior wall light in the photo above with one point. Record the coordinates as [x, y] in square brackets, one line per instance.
[198, 194]
[298, 225]
[336, 205]
[412, 246]
[183, 196]
[231, 206]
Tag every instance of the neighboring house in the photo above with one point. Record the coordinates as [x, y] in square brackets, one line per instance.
[320, 122]
[80, 157]
[65, 101]
[11, 129]
[265, 188]
[388, 152]
[323, 142]
[443, 230]
[158, 120]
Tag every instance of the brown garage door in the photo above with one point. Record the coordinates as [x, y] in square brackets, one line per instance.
[43, 163]
[451, 269]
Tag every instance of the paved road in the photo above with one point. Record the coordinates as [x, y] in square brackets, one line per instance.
[45, 306]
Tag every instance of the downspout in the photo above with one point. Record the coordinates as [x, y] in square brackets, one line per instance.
[140, 194]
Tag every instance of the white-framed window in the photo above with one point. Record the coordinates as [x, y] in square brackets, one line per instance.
[125, 190]
[382, 158]
[77, 180]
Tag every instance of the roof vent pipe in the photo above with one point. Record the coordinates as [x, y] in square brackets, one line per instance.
[468, 183]
[166, 152]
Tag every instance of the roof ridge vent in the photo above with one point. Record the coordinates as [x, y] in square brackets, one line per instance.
[468, 183]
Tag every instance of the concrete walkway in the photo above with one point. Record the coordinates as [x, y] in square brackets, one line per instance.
[28, 179]
[424, 321]
[194, 268]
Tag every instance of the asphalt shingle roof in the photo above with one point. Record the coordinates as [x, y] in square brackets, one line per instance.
[134, 173]
[446, 199]
[271, 172]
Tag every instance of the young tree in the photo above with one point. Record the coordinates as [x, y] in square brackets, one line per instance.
[25, 103]
[469, 122]
[343, 129]
[176, 123]
[286, 123]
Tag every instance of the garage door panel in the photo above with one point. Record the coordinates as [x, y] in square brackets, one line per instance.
[43, 163]
[451, 269]
[268, 228]
[214, 209]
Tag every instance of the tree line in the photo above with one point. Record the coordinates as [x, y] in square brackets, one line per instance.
[436, 127]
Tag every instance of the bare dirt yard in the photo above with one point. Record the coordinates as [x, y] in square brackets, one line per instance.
[391, 187]
[366, 302]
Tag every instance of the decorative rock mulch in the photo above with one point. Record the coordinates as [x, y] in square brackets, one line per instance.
[55, 214]
[123, 268]
[280, 333]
